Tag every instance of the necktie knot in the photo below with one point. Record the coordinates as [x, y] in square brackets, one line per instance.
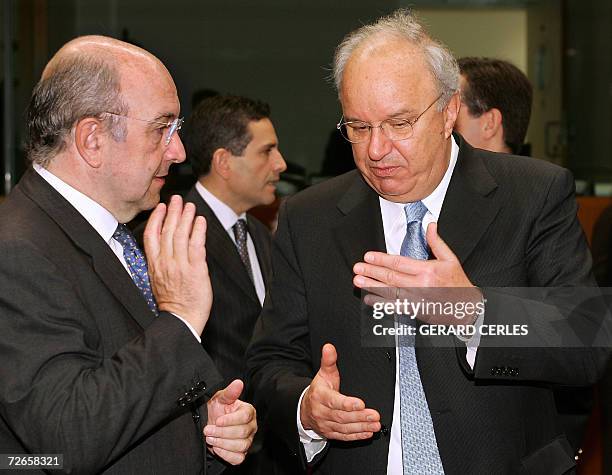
[415, 211]
[240, 231]
[124, 237]
[414, 244]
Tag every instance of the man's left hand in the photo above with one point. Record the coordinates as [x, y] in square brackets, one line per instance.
[395, 275]
[231, 424]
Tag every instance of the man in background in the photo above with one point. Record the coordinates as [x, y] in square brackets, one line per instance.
[496, 102]
[233, 149]
[106, 366]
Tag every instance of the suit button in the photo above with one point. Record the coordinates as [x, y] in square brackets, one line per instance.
[182, 402]
[494, 371]
[201, 385]
[196, 417]
[388, 353]
[384, 430]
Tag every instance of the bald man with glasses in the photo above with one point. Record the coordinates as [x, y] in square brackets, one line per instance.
[104, 366]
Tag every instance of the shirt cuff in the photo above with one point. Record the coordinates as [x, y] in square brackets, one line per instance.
[313, 443]
[197, 337]
[473, 342]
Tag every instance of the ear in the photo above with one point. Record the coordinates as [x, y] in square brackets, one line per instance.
[491, 124]
[450, 114]
[221, 163]
[88, 138]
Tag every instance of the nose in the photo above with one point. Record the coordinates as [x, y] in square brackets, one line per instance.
[280, 165]
[380, 145]
[175, 151]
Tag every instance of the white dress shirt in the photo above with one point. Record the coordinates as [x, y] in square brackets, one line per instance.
[97, 216]
[394, 226]
[227, 217]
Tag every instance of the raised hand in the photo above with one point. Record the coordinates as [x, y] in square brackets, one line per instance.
[174, 244]
[393, 277]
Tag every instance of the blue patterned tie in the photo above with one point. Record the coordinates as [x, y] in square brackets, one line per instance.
[137, 264]
[419, 447]
[240, 233]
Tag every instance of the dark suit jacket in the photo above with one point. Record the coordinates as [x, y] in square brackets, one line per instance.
[235, 304]
[87, 370]
[512, 222]
[232, 319]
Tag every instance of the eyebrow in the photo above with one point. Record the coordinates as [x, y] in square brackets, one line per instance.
[268, 145]
[400, 112]
[168, 116]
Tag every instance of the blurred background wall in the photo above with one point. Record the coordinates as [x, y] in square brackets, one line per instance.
[281, 50]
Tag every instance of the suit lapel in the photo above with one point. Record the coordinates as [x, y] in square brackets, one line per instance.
[361, 227]
[469, 205]
[105, 263]
[220, 247]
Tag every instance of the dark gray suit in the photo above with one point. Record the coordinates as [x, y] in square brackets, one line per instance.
[232, 319]
[87, 370]
[235, 304]
[512, 222]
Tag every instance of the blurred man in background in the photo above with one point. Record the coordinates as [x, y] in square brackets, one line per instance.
[233, 149]
[495, 108]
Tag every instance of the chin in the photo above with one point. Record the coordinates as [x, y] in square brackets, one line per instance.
[149, 201]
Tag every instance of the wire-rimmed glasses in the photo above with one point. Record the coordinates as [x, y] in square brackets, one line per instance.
[173, 125]
[395, 128]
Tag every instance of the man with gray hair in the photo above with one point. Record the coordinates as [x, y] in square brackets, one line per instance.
[424, 210]
[103, 367]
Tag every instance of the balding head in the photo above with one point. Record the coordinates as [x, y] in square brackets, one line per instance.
[83, 79]
[401, 29]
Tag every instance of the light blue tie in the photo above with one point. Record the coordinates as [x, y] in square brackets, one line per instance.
[419, 448]
[136, 263]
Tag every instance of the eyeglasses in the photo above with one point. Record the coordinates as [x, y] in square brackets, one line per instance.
[173, 125]
[395, 128]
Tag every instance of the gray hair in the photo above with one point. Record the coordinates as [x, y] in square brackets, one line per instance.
[403, 24]
[74, 88]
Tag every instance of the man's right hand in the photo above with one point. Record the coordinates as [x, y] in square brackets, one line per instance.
[174, 244]
[331, 414]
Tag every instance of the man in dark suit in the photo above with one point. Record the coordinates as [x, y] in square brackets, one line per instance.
[233, 150]
[102, 358]
[473, 406]
[496, 100]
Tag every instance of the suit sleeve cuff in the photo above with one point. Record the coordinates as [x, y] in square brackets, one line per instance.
[191, 329]
[473, 342]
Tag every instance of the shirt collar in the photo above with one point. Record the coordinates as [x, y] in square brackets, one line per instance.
[393, 213]
[95, 214]
[223, 212]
